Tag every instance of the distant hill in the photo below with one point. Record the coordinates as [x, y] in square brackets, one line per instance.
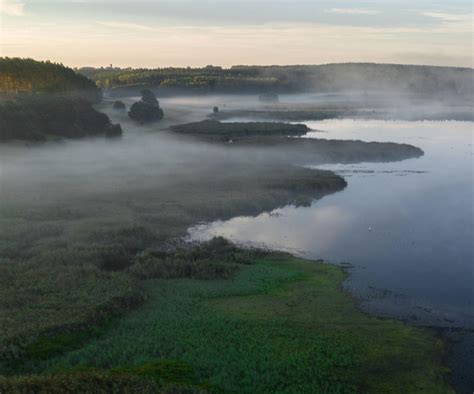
[28, 76]
[421, 80]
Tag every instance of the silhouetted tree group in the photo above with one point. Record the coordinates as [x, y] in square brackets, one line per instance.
[147, 109]
[34, 118]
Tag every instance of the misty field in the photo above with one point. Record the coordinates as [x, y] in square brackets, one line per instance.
[102, 288]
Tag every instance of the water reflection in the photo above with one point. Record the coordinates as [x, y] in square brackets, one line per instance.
[407, 227]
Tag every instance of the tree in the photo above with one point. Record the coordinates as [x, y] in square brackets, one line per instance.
[147, 109]
[215, 110]
[35, 117]
[27, 76]
[149, 97]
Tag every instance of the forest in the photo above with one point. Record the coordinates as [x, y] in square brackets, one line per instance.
[28, 76]
[425, 80]
[44, 100]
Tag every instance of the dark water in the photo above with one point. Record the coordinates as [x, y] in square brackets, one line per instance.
[406, 227]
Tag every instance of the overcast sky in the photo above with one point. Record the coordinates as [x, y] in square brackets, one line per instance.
[199, 32]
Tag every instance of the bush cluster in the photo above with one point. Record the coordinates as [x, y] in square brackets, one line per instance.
[147, 109]
[217, 258]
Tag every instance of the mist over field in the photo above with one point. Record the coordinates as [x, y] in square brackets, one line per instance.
[236, 197]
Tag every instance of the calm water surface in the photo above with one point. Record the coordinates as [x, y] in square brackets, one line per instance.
[406, 227]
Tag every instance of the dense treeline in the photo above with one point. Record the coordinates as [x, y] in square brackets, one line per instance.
[428, 80]
[35, 118]
[206, 79]
[28, 76]
[39, 100]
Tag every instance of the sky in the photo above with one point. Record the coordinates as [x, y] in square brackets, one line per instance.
[158, 33]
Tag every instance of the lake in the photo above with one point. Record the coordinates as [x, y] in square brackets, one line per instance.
[406, 227]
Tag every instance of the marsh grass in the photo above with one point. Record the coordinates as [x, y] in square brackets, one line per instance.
[167, 377]
[217, 258]
[280, 324]
[64, 261]
[50, 298]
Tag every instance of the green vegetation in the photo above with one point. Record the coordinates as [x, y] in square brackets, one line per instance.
[95, 297]
[200, 80]
[147, 109]
[216, 259]
[65, 266]
[240, 130]
[71, 258]
[281, 324]
[53, 294]
[39, 117]
[150, 378]
[420, 80]
[43, 100]
[29, 76]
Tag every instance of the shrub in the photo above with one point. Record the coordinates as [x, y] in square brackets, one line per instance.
[217, 258]
[148, 266]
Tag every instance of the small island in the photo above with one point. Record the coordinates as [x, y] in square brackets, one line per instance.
[215, 129]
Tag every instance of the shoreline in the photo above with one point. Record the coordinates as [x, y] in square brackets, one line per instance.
[269, 300]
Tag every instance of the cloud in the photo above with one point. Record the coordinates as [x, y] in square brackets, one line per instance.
[352, 11]
[452, 23]
[446, 17]
[12, 7]
[126, 25]
[151, 45]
